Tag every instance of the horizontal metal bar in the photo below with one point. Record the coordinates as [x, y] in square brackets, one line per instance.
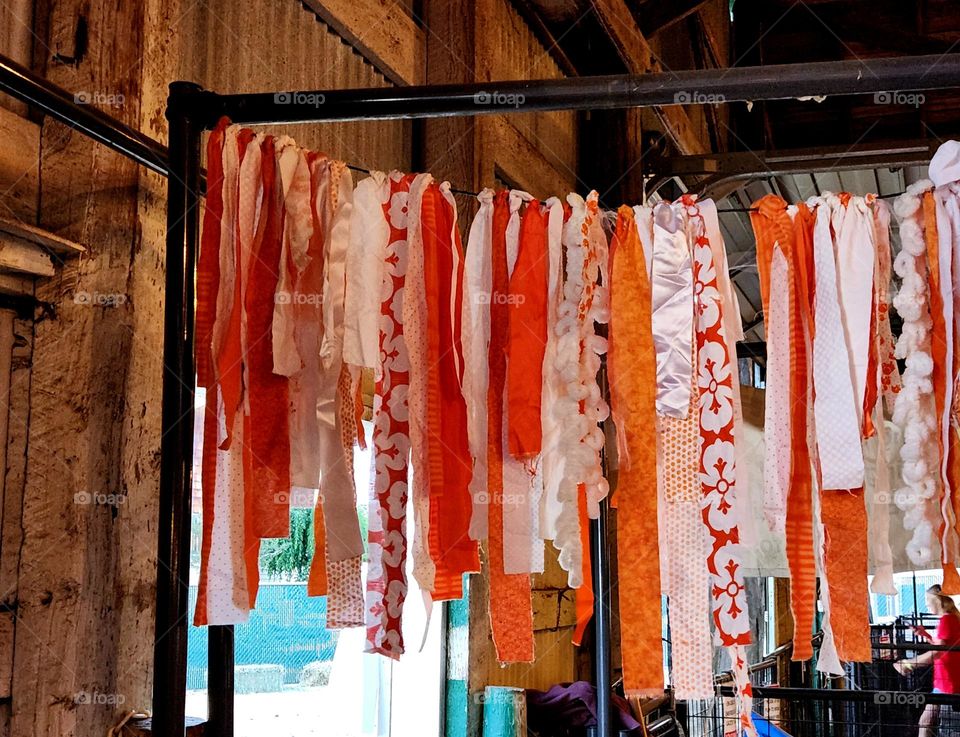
[796, 695]
[71, 110]
[688, 87]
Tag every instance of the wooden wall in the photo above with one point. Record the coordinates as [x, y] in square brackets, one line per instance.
[84, 410]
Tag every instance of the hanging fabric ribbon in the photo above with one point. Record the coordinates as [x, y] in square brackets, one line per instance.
[477, 290]
[511, 614]
[721, 512]
[793, 241]
[391, 440]
[632, 369]
[915, 409]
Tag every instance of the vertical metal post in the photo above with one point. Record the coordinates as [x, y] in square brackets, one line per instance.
[176, 444]
[600, 552]
[220, 664]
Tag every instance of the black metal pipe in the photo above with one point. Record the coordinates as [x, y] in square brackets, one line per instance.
[688, 87]
[842, 694]
[176, 443]
[73, 109]
[220, 688]
[600, 564]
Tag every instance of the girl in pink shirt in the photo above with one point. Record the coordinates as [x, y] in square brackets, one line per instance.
[946, 663]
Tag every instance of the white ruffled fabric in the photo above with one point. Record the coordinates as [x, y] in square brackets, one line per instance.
[915, 409]
[594, 308]
[566, 408]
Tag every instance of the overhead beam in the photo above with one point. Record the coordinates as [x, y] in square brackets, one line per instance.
[638, 56]
[653, 16]
[384, 33]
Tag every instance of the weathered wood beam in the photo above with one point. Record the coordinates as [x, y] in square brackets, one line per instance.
[638, 56]
[655, 15]
[530, 12]
[19, 168]
[23, 257]
[40, 237]
[383, 32]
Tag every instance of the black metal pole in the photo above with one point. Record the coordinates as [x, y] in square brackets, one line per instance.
[600, 563]
[176, 443]
[688, 87]
[75, 110]
[220, 668]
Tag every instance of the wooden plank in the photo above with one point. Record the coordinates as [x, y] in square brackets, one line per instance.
[639, 58]
[16, 285]
[23, 257]
[380, 30]
[47, 240]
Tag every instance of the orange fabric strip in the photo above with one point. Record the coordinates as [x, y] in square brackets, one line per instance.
[583, 595]
[938, 352]
[317, 578]
[772, 224]
[845, 550]
[511, 613]
[527, 307]
[208, 264]
[269, 430]
[632, 365]
[230, 359]
[208, 282]
[450, 463]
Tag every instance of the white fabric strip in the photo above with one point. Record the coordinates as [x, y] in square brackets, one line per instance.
[414, 333]
[551, 456]
[881, 555]
[297, 230]
[299, 319]
[369, 233]
[227, 597]
[475, 318]
[855, 250]
[249, 201]
[835, 407]
[672, 289]
[643, 218]
[337, 485]
[776, 419]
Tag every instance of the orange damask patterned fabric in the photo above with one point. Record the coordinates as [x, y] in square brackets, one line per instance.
[633, 371]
